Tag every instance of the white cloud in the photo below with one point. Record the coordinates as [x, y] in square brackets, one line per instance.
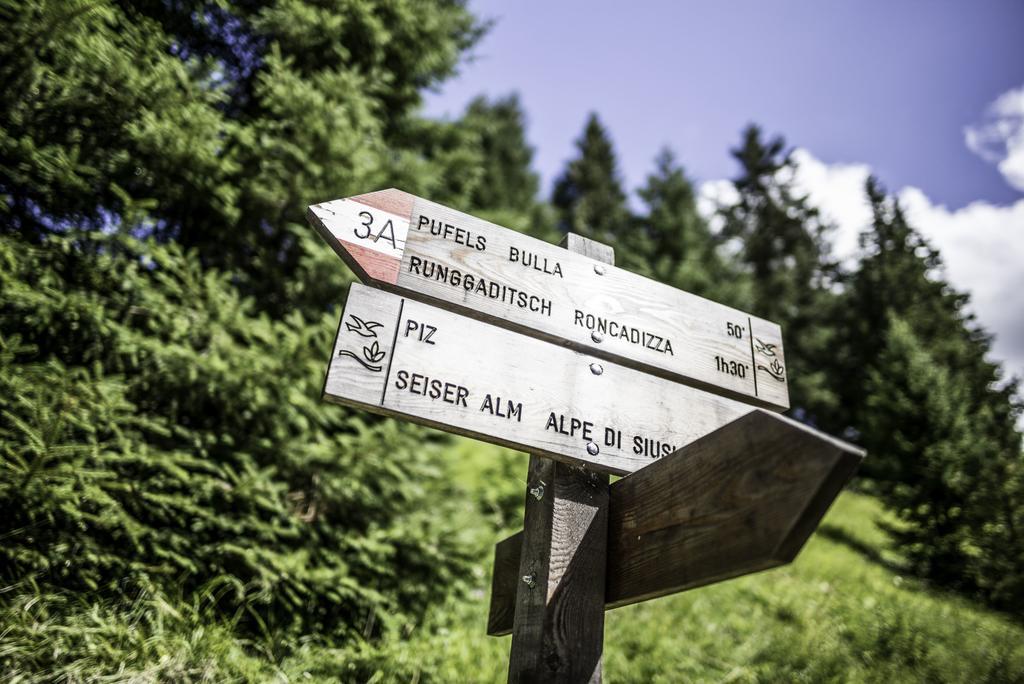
[999, 137]
[983, 248]
[714, 194]
[982, 245]
[838, 191]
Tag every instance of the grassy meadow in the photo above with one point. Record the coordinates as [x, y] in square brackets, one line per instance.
[842, 612]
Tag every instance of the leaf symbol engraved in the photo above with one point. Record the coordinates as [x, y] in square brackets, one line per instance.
[775, 370]
[361, 327]
[372, 354]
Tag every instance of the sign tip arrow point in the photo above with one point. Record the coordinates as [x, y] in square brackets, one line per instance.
[367, 231]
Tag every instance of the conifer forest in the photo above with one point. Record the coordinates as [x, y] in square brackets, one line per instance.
[177, 503]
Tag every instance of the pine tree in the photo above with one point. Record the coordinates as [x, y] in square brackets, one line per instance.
[159, 434]
[920, 436]
[892, 277]
[678, 247]
[225, 118]
[900, 274]
[935, 414]
[508, 181]
[97, 109]
[781, 242]
[943, 465]
[588, 196]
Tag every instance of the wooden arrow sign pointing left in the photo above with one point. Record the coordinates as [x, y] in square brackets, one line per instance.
[424, 250]
[400, 357]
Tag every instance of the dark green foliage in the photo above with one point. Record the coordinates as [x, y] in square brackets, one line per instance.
[934, 414]
[589, 197]
[956, 488]
[158, 434]
[508, 180]
[781, 242]
[938, 421]
[900, 274]
[505, 185]
[226, 118]
[161, 437]
[678, 248]
[892, 277]
[96, 109]
[919, 425]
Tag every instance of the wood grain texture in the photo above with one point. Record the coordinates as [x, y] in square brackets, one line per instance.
[741, 499]
[504, 581]
[558, 622]
[558, 633]
[592, 249]
[459, 262]
[465, 376]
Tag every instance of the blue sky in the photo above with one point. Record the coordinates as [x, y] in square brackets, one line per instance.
[888, 83]
[929, 96]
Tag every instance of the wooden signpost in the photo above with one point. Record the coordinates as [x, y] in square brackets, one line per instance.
[405, 244]
[476, 329]
[397, 356]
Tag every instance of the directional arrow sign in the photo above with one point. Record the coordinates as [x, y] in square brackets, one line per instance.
[398, 356]
[408, 245]
[741, 499]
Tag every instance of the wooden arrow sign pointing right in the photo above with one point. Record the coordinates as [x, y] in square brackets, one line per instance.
[426, 251]
[744, 498]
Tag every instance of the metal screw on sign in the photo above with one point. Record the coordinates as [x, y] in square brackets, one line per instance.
[537, 492]
[598, 269]
[593, 449]
[596, 368]
[596, 336]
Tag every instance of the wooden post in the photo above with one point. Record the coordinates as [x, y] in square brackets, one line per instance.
[558, 630]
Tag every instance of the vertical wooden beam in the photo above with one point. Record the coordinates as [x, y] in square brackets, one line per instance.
[558, 630]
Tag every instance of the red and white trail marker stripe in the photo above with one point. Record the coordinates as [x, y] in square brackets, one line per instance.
[368, 232]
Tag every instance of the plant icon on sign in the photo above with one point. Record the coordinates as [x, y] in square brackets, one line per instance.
[372, 354]
[775, 370]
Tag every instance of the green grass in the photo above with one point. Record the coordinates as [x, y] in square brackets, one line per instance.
[841, 612]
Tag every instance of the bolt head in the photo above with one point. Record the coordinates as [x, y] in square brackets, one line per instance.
[596, 336]
[598, 269]
[596, 368]
[593, 449]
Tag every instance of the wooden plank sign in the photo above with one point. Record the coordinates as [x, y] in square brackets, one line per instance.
[743, 498]
[397, 356]
[409, 245]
